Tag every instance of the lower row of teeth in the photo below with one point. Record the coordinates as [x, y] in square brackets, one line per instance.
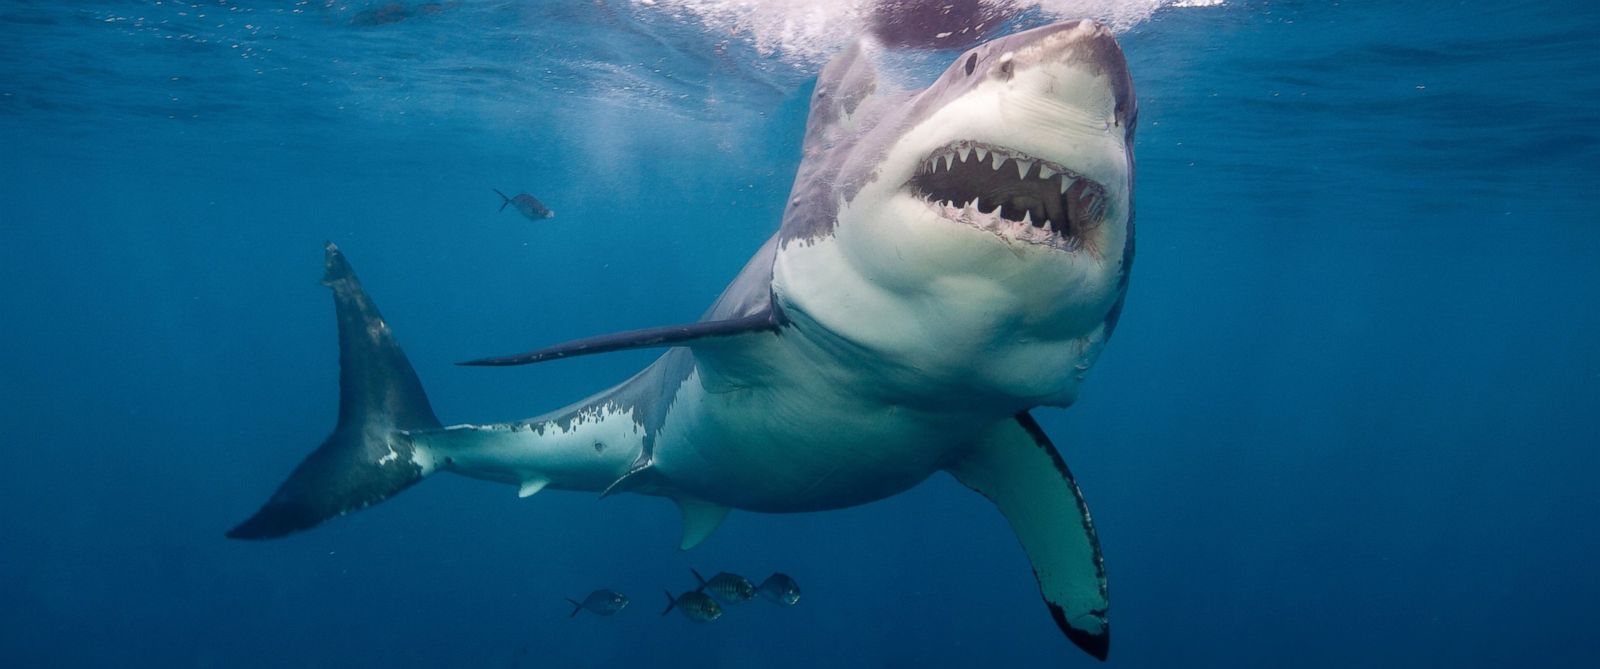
[1024, 229]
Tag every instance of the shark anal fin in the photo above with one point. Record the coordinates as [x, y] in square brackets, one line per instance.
[671, 335]
[1017, 468]
[700, 519]
[531, 487]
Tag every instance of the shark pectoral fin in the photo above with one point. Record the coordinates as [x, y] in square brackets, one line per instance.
[1018, 469]
[671, 335]
[700, 519]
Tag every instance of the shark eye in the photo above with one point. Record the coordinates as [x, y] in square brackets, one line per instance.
[972, 62]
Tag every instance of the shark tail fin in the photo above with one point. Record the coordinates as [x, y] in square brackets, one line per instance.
[370, 455]
[503, 197]
[576, 607]
[671, 602]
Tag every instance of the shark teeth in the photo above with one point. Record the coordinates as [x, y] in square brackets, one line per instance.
[1026, 230]
[1040, 202]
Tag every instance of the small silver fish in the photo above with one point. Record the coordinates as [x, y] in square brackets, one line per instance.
[529, 205]
[600, 602]
[695, 605]
[726, 588]
[781, 589]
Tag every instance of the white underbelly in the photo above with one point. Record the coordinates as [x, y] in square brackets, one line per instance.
[803, 439]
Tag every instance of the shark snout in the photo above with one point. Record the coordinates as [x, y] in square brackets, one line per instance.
[1084, 46]
[1083, 40]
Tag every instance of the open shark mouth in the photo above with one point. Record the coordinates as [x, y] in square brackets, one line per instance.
[1011, 194]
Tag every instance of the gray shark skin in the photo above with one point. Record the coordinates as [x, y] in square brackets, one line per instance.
[951, 258]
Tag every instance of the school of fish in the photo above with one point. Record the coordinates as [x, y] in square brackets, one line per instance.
[704, 603]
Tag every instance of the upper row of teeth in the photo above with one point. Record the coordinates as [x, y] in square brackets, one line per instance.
[995, 159]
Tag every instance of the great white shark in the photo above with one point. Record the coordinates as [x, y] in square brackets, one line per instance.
[949, 259]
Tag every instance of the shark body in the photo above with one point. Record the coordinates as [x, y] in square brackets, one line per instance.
[951, 258]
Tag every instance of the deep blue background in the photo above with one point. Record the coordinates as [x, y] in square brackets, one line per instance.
[1349, 418]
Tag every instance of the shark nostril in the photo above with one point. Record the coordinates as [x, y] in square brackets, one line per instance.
[972, 62]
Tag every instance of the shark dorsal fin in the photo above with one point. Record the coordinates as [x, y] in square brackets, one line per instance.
[843, 87]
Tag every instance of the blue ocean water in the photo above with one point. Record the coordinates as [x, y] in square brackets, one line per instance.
[1348, 419]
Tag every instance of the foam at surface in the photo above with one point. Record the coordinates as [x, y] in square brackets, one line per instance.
[807, 31]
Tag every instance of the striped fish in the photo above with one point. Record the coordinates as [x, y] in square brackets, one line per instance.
[529, 205]
[726, 588]
[781, 589]
[695, 605]
[601, 602]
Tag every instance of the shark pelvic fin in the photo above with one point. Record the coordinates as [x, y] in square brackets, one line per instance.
[639, 477]
[1017, 468]
[767, 320]
[700, 519]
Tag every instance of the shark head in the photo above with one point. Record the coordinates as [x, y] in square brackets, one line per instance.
[990, 213]
[1027, 137]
